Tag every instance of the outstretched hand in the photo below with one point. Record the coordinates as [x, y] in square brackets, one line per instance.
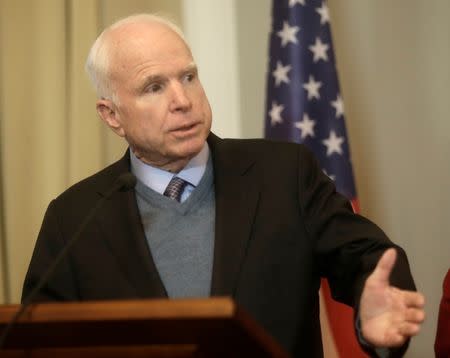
[389, 316]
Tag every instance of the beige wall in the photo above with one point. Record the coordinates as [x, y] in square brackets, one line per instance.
[393, 60]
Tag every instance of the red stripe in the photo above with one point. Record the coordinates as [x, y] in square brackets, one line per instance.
[355, 205]
[342, 326]
[341, 319]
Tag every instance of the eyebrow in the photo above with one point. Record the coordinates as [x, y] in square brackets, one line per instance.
[192, 67]
[149, 80]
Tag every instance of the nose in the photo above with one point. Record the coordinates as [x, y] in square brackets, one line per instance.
[180, 101]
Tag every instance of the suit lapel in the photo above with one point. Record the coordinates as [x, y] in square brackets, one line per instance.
[120, 222]
[237, 192]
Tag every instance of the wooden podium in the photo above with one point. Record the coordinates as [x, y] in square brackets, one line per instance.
[213, 327]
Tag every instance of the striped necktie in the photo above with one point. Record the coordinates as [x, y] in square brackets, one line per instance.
[175, 188]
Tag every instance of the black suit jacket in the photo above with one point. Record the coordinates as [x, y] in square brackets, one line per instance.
[280, 226]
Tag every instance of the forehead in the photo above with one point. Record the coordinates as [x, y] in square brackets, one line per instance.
[133, 47]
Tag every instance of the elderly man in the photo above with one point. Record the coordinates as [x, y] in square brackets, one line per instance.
[252, 219]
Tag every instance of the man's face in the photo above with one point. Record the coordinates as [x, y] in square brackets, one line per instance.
[160, 106]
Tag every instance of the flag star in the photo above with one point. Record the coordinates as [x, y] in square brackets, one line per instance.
[280, 73]
[293, 2]
[332, 177]
[319, 49]
[312, 87]
[333, 144]
[338, 104]
[288, 34]
[306, 126]
[275, 113]
[324, 13]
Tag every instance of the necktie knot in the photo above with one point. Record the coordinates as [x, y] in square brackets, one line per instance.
[175, 188]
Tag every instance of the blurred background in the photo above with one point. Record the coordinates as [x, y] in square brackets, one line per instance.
[393, 63]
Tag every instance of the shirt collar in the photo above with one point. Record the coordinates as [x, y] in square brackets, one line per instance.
[158, 179]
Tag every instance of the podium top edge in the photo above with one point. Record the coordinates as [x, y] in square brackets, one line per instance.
[216, 307]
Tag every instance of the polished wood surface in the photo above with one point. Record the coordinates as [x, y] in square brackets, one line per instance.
[213, 327]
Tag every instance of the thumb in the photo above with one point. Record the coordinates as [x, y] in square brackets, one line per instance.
[384, 267]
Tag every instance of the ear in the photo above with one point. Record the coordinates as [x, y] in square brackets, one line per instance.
[107, 111]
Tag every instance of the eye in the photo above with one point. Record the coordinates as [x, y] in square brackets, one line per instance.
[154, 88]
[189, 77]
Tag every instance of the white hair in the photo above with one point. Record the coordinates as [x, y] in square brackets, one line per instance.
[98, 65]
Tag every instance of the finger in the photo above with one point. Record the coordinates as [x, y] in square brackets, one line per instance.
[413, 299]
[384, 266]
[409, 329]
[414, 315]
[395, 340]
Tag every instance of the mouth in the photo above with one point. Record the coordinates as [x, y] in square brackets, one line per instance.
[186, 129]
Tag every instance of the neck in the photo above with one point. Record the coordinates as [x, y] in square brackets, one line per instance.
[172, 166]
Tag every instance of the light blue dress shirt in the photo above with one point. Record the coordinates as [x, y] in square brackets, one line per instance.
[157, 179]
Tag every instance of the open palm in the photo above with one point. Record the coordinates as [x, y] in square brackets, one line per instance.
[389, 316]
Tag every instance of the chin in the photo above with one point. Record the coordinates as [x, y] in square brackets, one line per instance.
[191, 148]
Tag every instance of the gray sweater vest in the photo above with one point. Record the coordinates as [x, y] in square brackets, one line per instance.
[181, 236]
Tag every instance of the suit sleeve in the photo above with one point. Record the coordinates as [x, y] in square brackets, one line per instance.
[60, 286]
[347, 245]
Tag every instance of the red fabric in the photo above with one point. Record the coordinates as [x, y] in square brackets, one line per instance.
[442, 344]
[342, 324]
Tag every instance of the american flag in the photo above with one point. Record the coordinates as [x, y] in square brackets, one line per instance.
[304, 105]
